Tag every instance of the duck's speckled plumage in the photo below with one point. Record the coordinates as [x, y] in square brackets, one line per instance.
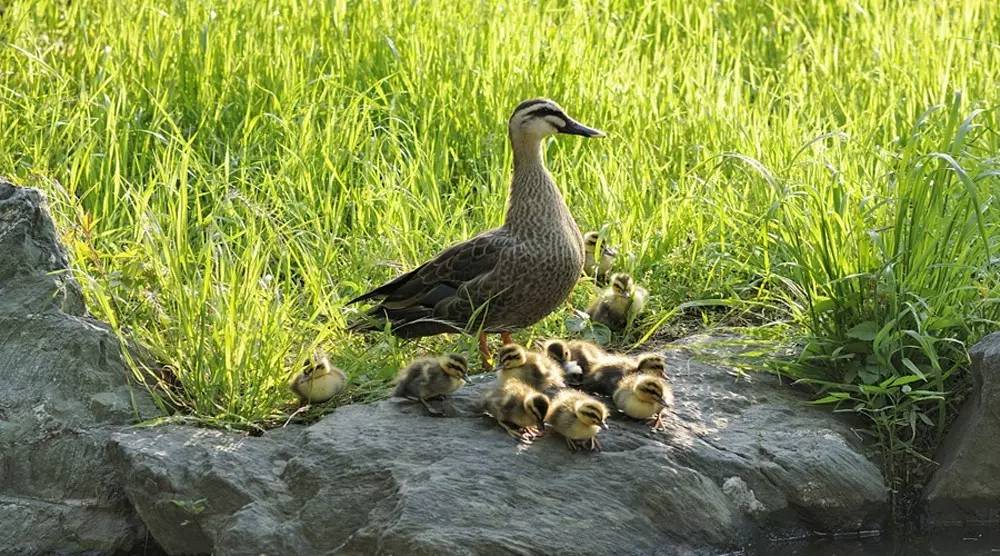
[519, 272]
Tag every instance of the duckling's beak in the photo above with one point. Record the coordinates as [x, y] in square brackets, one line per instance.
[467, 379]
[604, 425]
[574, 127]
[609, 251]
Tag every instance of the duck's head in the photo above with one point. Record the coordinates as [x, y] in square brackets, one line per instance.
[511, 356]
[651, 389]
[540, 117]
[558, 350]
[455, 366]
[537, 404]
[653, 364]
[316, 367]
[592, 413]
[591, 239]
[622, 284]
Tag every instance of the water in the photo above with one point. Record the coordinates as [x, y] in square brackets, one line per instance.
[963, 542]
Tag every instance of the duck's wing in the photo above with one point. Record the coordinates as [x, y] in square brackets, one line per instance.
[453, 281]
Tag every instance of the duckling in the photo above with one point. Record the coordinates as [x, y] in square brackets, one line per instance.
[519, 409]
[558, 351]
[652, 364]
[318, 381]
[605, 375]
[578, 418]
[586, 354]
[430, 377]
[619, 304]
[533, 369]
[644, 396]
[593, 266]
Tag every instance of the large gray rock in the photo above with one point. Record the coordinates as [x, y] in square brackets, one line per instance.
[62, 385]
[966, 487]
[744, 457]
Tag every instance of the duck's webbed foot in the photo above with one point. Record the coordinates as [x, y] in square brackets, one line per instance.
[595, 445]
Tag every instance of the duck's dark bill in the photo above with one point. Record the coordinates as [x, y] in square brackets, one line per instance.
[573, 127]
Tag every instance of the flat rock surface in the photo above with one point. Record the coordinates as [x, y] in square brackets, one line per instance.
[965, 490]
[741, 458]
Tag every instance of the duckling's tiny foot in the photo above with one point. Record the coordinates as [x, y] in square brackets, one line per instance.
[571, 444]
[595, 445]
[431, 410]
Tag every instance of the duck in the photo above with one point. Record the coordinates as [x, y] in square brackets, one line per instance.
[594, 265]
[653, 364]
[612, 368]
[578, 418]
[318, 381]
[519, 409]
[586, 354]
[558, 351]
[644, 397]
[514, 362]
[503, 279]
[619, 304]
[432, 377]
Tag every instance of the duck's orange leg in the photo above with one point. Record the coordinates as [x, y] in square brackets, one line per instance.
[484, 352]
[506, 338]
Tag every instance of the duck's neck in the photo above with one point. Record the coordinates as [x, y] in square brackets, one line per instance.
[534, 198]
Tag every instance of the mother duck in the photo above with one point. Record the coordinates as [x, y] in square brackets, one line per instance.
[502, 279]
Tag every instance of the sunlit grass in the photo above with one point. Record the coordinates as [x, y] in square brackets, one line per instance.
[227, 174]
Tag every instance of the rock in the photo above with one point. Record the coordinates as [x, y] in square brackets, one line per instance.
[63, 387]
[744, 458]
[965, 489]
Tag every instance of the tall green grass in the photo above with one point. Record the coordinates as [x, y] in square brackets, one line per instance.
[227, 174]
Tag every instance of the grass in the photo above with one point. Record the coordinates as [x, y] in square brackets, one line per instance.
[227, 174]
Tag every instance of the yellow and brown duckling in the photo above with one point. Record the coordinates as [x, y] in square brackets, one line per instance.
[534, 369]
[319, 381]
[652, 364]
[598, 257]
[519, 409]
[578, 418]
[619, 304]
[586, 354]
[432, 377]
[606, 373]
[645, 397]
[558, 351]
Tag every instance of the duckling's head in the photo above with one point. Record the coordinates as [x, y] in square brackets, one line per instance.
[622, 284]
[316, 367]
[558, 350]
[455, 366]
[537, 405]
[511, 356]
[591, 239]
[651, 389]
[592, 412]
[653, 364]
[540, 117]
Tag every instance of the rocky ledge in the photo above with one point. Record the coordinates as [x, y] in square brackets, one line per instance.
[743, 457]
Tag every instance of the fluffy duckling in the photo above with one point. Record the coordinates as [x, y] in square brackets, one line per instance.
[652, 364]
[586, 354]
[605, 375]
[619, 304]
[578, 418]
[431, 377]
[519, 409]
[558, 351]
[597, 266]
[644, 396]
[318, 381]
[533, 369]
